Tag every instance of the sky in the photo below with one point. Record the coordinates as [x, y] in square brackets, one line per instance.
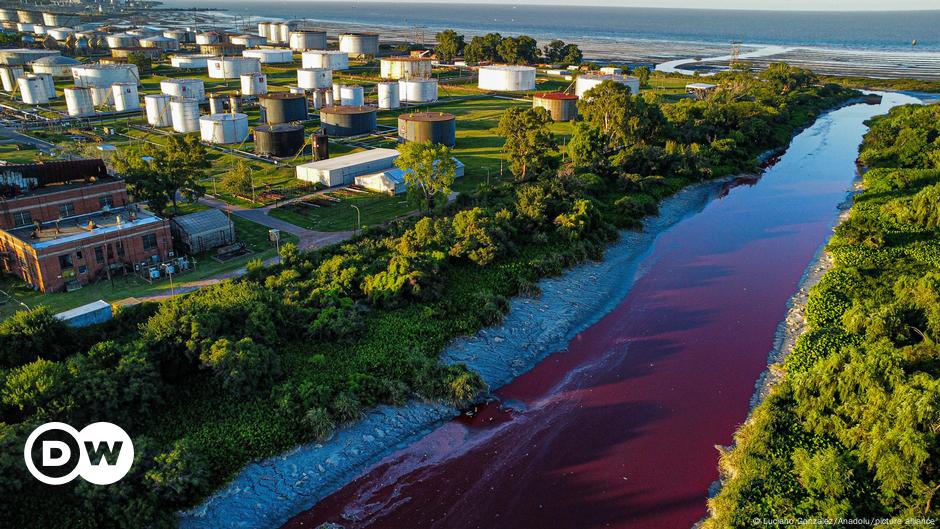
[775, 5]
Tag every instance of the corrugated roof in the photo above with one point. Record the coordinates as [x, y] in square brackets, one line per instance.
[202, 221]
[352, 159]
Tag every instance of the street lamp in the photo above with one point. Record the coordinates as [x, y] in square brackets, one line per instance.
[357, 217]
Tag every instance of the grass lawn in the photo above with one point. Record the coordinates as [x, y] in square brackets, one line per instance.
[15, 153]
[374, 208]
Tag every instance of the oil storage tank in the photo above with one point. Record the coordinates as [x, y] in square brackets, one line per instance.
[284, 29]
[210, 37]
[588, 81]
[417, 90]
[436, 127]
[232, 67]
[104, 75]
[279, 140]
[55, 65]
[270, 56]
[561, 106]
[48, 83]
[9, 75]
[100, 95]
[184, 114]
[506, 78]
[359, 44]
[347, 120]
[60, 34]
[120, 40]
[314, 78]
[125, 97]
[78, 101]
[351, 95]
[224, 128]
[282, 107]
[395, 68]
[388, 95]
[307, 39]
[158, 110]
[254, 84]
[264, 30]
[195, 61]
[330, 59]
[22, 56]
[32, 90]
[184, 87]
[248, 41]
[59, 19]
[160, 42]
[181, 35]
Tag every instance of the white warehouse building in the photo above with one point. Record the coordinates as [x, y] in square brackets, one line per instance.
[343, 170]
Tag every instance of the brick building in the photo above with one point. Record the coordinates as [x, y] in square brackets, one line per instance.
[64, 223]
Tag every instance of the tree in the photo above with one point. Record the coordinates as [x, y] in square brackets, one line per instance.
[243, 365]
[483, 49]
[32, 334]
[239, 180]
[571, 54]
[623, 118]
[587, 148]
[643, 73]
[158, 174]
[557, 52]
[529, 142]
[518, 50]
[429, 171]
[449, 45]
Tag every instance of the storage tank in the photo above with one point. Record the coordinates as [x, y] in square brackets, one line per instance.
[296, 89]
[396, 68]
[330, 59]
[561, 106]
[9, 75]
[125, 97]
[347, 121]
[320, 145]
[216, 104]
[32, 91]
[270, 56]
[388, 95]
[142, 32]
[101, 95]
[78, 101]
[181, 35]
[48, 83]
[120, 40]
[314, 78]
[264, 30]
[184, 114]
[351, 95]
[160, 42]
[254, 84]
[417, 90]
[321, 98]
[190, 61]
[436, 127]
[24, 27]
[232, 67]
[158, 110]
[8, 15]
[336, 91]
[284, 30]
[248, 41]
[22, 56]
[60, 34]
[32, 17]
[223, 129]
[59, 19]
[105, 74]
[55, 65]
[588, 81]
[221, 49]
[506, 78]
[125, 53]
[209, 37]
[234, 102]
[359, 44]
[183, 87]
[282, 107]
[280, 140]
[307, 39]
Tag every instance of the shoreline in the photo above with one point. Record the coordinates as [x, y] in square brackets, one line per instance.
[268, 493]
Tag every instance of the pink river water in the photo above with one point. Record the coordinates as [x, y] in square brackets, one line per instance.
[619, 429]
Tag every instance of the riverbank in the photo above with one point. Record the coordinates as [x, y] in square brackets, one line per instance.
[287, 484]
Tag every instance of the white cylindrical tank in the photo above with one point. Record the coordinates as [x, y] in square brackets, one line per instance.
[296, 89]
[216, 104]
[25, 27]
[143, 32]
[78, 101]
[160, 42]
[48, 83]
[314, 78]
[105, 74]
[270, 56]
[351, 95]
[395, 68]
[284, 31]
[186, 88]
[388, 95]
[8, 15]
[359, 44]
[60, 34]
[191, 61]
[9, 75]
[101, 96]
[210, 37]
[417, 90]
[248, 41]
[223, 128]
[120, 40]
[55, 65]
[32, 90]
[507, 78]
[304, 40]
[336, 90]
[181, 35]
[125, 97]
[330, 59]
[254, 84]
[158, 110]
[232, 67]
[321, 98]
[184, 113]
[588, 81]
[264, 30]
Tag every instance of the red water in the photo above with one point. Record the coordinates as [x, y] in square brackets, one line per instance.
[619, 430]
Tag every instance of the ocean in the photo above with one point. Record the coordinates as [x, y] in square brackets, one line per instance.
[866, 31]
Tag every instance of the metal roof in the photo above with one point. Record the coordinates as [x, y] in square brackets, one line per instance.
[203, 221]
[352, 159]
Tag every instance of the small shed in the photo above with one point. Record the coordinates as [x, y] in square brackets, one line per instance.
[90, 314]
[392, 181]
[202, 231]
[700, 90]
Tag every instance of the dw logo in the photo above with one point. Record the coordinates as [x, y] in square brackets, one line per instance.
[102, 453]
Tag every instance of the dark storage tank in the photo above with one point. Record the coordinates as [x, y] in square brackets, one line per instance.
[282, 107]
[347, 120]
[280, 140]
[562, 106]
[320, 145]
[436, 127]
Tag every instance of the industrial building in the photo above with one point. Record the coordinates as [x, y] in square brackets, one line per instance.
[202, 231]
[393, 181]
[345, 169]
[69, 223]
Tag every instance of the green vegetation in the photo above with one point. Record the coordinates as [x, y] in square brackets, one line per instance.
[159, 174]
[212, 380]
[523, 49]
[852, 429]
[374, 209]
[429, 170]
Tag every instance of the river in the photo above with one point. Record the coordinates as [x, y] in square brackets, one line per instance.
[619, 429]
